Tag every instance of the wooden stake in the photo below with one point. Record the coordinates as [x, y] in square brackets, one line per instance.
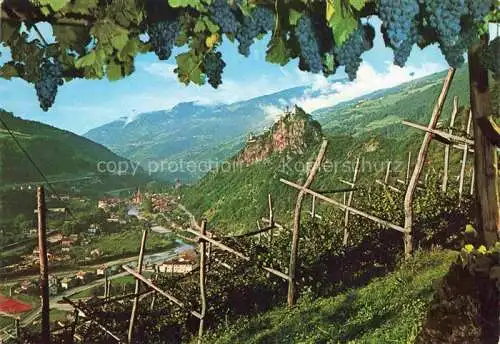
[393, 188]
[44, 268]
[152, 306]
[464, 161]
[472, 181]
[76, 316]
[203, 295]
[296, 225]
[18, 329]
[160, 291]
[271, 219]
[84, 312]
[440, 135]
[408, 166]
[444, 184]
[105, 285]
[236, 253]
[419, 165]
[313, 207]
[349, 201]
[135, 306]
[343, 207]
[387, 172]
[108, 289]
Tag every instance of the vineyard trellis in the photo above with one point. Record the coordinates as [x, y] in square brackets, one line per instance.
[208, 240]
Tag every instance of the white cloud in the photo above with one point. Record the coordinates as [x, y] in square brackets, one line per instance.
[162, 70]
[273, 113]
[368, 80]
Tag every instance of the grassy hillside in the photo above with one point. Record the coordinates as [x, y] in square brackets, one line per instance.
[369, 127]
[382, 111]
[390, 309]
[57, 152]
[69, 161]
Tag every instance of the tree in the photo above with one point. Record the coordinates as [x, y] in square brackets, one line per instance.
[100, 38]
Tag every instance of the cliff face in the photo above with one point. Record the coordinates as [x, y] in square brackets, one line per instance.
[294, 132]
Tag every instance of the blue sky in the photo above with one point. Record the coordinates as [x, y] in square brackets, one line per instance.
[84, 104]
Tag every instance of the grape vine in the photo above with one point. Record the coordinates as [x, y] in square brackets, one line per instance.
[214, 65]
[162, 36]
[478, 9]
[349, 53]
[223, 15]
[260, 21]
[46, 86]
[308, 42]
[399, 20]
[490, 55]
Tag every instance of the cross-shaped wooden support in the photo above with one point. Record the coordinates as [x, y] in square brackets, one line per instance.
[464, 161]
[444, 184]
[349, 201]
[296, 224]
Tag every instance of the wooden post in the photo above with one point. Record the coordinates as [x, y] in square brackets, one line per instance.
[271, 219]
[349, 201]
[313, 207]
[472, 181]
[387, 172]
[18, 329]
[108, 289]
[135, 306]
[296, 225]
[485, 155]
[464, 161]
[408, 166]
[152, 306]
[444, 184]
[44, 268]
[76, 315]
[105, 284]
[203, 295]
[419, 165]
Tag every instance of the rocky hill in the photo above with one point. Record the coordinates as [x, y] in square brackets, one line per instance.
[294, 132]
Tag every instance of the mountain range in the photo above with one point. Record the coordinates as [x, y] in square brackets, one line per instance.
[196, 133]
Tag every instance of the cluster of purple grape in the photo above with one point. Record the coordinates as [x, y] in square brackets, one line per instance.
[213, 67]
[162, 36]
[399, 20]
[261, 20]
[308, 42]
[349, 53]
[50, 79]
[223, 15]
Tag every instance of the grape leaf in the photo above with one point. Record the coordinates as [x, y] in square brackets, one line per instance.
[119, 41]
[187, 3]
[358, 4]
[330, 10]
[293, 17]
[8, 71]
[86, 60]
[188, 68]
[277, 51]
[81, 6]
[212, 27]
[72, 37]
[342, 23]
[114, 71]
[56, 5]
[199, 27]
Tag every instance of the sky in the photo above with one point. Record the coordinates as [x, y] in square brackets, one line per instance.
[85, 104]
